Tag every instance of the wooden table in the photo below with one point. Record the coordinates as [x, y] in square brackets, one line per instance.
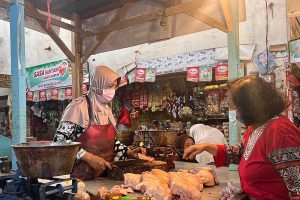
[223, 174]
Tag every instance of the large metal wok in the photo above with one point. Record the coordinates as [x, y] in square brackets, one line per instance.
[46, 159]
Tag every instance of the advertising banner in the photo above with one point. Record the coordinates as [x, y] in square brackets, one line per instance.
[54, 74]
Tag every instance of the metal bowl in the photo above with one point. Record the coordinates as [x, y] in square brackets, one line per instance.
[46, 159]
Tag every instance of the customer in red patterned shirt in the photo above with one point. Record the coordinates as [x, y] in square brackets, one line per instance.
[269, 154]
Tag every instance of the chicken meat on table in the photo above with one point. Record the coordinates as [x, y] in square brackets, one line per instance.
[186, 183]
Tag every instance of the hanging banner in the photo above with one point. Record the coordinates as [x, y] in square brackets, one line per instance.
[68, 93]
[205, 73]
[192, 74]
[140, 75]
[294, 51]
[131, 76]
[48, 94]
[150, 75]
[29, 96]
[36, 96]
[61, 94]
[54, 94]
[221, 72]
[43, 95]
[54, 74]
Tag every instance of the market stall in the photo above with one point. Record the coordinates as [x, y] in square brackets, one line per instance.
[153, 111]
[49, 92]
[88, 39]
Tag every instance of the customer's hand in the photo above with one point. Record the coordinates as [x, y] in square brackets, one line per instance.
[96, 162]
[191, 152]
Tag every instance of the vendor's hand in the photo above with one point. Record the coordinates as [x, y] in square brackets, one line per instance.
[96, 162]
[191, 152]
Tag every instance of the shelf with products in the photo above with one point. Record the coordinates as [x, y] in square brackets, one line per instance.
[173, 98]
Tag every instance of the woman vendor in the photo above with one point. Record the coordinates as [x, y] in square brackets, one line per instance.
[90, 121]
[183, 142]
[269, 154]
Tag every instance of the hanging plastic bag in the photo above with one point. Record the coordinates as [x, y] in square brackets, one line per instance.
[125, 114]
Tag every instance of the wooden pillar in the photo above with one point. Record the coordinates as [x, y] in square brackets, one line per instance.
[77, 71]
[18, 72]
[234, 62]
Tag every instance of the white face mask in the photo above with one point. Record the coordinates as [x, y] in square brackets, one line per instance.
[107, 95]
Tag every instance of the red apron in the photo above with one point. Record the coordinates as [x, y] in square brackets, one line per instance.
[98, 140]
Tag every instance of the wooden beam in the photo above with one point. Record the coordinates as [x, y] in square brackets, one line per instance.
[38, 16]
[294, 14]
[58, 4]
[173, 10]
[4, 4]
[58, 41]
[121, 13]
[53, 35]
[77, 71]
[207, 20]
[227, 13]
[107, 8]
[54, 12]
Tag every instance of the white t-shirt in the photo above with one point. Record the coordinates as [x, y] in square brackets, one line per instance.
[206, 134]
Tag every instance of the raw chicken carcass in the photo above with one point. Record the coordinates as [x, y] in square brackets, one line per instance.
[148, 176]
[192, 179]
[162, 175]
[155, 189]
[118, 189]
[207, 177]
[81, 192]
[132, 180]
[102, 192]
[183, 188]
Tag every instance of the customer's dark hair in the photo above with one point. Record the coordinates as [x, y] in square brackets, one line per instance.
[257, 101]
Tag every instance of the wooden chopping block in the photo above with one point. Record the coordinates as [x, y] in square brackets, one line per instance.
[123, 167]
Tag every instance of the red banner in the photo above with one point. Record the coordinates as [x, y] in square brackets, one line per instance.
[140, 74]
[54, 93]
[43, 95]
[68, 93]
[221, 72]
[29, 96]
[193, 74]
